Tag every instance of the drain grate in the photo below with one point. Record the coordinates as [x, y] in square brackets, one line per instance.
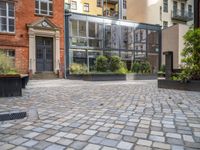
[12, 116]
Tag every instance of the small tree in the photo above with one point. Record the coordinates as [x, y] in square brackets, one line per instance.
[78, 68]
[102, 64]
[191, 54]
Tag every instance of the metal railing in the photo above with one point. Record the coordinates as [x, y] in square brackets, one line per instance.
[182, 15]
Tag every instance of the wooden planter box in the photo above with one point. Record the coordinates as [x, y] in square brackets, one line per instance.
[98, 77]
[10, 85]
[193, 85]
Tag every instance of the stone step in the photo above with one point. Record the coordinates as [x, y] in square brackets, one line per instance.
[44, 75]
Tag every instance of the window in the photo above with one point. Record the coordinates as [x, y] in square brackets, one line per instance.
[124, 17]
[74, 5]
[44, 7]
[124, 4]
[86, 7]
[165, 24]
[7, 17]
[190, 10]
[99, 3]
[165, 5]
[182, 9]
[175, 5]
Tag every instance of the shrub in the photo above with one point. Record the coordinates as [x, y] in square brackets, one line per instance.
[102, 64]
[6, 65]
[191, 54]
[78, 68]
[141, 67]
[136, 67]
[115, 63]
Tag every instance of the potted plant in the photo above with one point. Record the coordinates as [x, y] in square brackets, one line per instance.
[10, 80]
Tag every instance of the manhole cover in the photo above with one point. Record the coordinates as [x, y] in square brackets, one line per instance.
[12, 116]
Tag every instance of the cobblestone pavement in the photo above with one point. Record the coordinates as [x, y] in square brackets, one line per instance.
[76, 115]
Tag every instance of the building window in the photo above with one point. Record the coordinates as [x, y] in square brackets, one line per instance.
[7, 17]
[175, 6]
[86, 7]
[165, 5]
[99, 3]
[74, 5]
[124, 4]
[190, 10]
[165, 24]
[44, 7]
[182, 9]
[124, 17]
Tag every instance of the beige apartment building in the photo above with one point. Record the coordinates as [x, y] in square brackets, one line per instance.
[163, 12]
[175, 17]
[110, 8]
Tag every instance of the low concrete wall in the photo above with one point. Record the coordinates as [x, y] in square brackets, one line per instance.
[177, 85]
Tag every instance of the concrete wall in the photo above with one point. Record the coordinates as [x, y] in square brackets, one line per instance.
[172, 40]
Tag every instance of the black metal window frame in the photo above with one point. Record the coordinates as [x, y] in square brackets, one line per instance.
[124, 4]
[7, 16]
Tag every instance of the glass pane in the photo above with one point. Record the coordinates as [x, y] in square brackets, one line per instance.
[2, 12]
[108, 36]
[43, 7]
[74, 25]
[82, 28]
[3, 5]
[95, 43]
[50, 7]
[36, 4]
[91, 27]
[11, 28]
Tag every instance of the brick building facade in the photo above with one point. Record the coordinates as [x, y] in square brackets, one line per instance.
[32, 32]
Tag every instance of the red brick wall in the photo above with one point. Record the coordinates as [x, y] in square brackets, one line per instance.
[25, 14]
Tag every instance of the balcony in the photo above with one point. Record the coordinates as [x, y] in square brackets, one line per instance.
[111, 13]
[111, 1]
[182, 15]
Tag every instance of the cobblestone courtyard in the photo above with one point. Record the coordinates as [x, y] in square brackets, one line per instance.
[76, 115]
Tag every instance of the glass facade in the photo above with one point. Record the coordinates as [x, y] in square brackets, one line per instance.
[91, 36]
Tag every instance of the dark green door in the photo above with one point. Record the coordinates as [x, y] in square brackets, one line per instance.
[44, 54]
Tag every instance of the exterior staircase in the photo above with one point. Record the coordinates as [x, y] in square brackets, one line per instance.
[44, 76]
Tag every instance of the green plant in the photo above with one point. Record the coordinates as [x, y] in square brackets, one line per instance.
[115, 63]
[78, 68]
[191, 54]
[102, 64]
[6, 65]
[136, 67]
[162, 68]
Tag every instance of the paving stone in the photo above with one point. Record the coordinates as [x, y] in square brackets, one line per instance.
[175, 141]
[71, 136]
[42, 145]
[96, 140]
[125, 145]
[114, 136]
[156, 138]
[140, 135]
[90, 132]
[157, 133]
[53, 139]
[30, 143]
[55, 147]
[20, 148]
[92, 147]
[6, 146]
[174, 135]
[31, 135]
[127, 132]
[161, 145]
[108, 148]
[19, 141]
[139, 147]
[82, 137]
[144, 142]
[65, 142]
[78, 145]
[175, 147]
[61, 134]
[188, 138]
[109, 142]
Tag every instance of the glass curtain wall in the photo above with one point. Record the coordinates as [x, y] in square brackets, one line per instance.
[91, 36]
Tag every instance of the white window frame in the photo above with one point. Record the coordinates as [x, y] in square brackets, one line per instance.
[86, 7]
[8, 17]
[48, 9]
[73, 5]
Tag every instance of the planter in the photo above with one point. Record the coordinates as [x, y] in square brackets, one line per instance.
[141, 76]
[25, 79]
[10, 85]
[193, 85]
[98, 77]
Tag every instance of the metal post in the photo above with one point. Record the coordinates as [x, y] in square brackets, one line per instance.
[66, 45]
[196, 13]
